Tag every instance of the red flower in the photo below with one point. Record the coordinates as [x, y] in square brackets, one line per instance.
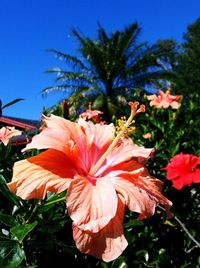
[183, 170]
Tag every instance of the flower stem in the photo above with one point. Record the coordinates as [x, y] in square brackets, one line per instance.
[46, 204]
[184, 229]
[55, 201]
[32, 213]
[187, 232]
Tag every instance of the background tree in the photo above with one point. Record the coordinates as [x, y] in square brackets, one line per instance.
[109, 68]
[188, 69]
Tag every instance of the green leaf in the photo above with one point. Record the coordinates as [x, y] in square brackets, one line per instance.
[134, 223]
[175, 148]
[11, 254]
[8, 220]
[104, 265]
[119, 263]
[5, 191]
[20, 232]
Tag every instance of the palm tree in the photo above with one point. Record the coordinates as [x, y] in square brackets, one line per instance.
[109, 68]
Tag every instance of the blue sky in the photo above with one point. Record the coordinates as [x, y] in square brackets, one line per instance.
[29, 27]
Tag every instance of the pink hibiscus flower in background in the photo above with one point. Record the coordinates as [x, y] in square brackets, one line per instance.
[102, 175]
[6, 133]
[183, 170]
[91, 114]
[164, 100]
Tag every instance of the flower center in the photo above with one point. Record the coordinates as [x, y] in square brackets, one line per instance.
[134, 111]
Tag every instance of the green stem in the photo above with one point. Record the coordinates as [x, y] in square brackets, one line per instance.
[184, 229]
[187, 232]
[47, 204]
[55, 201]
[32, 213]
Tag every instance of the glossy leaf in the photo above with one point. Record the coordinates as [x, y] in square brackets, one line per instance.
[8, 220]
[119, 263]
[11, 254]
[4, 190]
[20, 232]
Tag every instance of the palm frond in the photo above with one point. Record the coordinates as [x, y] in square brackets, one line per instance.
[69, 59]
[128, 38]
[151, 77]
[102, 35]
[77, 78]
[11, 103]
[63, 88]
[82, 40]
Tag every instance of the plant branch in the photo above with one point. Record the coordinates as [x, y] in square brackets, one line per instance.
[187, 232]
[55, 201]
[32, 213]
[184, 229]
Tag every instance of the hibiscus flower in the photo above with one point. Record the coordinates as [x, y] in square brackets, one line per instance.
[164, 100]
[102, 175]
[183, 170]
[91, 114]
[6, 133]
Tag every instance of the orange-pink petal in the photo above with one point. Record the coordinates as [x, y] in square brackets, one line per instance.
[98, 139]
[128, 150]
[124, 152]
[72, 130]
[88, 140]
[49, 138]
[57, 134]
[101, 135]
[175, 104]
[141, 192]
[34, 177]
[91, 203]
[108, 243]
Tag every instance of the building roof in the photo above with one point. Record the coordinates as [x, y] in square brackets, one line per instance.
[25, 124]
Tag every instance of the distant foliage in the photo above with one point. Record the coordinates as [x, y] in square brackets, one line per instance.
[188, 67]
